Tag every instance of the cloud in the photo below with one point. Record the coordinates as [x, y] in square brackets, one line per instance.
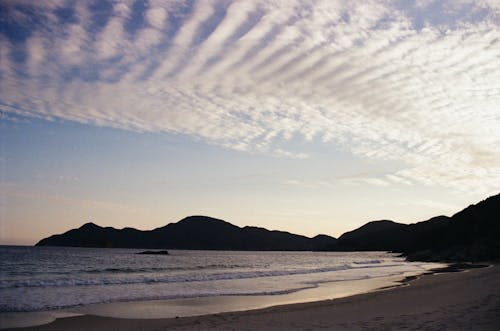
[14, 191]
[364, 180]
[418, 84]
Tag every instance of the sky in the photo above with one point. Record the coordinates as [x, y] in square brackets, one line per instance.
[305, 116]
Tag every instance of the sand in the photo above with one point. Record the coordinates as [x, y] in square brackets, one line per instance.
[467, 300]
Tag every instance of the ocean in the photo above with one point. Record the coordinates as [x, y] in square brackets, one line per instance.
[48, 278]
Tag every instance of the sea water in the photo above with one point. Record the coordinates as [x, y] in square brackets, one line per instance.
[48, 278]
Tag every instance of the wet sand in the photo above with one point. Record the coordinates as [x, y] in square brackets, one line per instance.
[447, 301]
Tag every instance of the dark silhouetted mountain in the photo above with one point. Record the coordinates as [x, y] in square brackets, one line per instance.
[470, 235]
[373, 236]
[194, 232]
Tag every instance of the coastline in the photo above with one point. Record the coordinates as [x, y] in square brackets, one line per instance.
[452, 300]
[210, 305]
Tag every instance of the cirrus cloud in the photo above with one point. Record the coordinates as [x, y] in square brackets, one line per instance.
[415, 83]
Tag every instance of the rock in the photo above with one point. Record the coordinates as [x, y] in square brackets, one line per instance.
[154, 253]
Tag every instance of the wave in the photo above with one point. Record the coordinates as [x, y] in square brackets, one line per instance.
[35, 306]
[368, 262]
[124, 270]
[160, 269]
[151, 279]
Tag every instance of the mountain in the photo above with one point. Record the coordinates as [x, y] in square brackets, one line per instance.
[373, 236]
[194, 232]
[472, 234]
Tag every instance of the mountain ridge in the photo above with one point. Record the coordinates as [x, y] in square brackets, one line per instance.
[471, 234]
[192, 232]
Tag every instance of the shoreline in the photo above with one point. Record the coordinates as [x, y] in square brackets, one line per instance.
[210, 305]
[460, 299]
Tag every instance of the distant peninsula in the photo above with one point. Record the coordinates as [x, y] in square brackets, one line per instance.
[472, 234]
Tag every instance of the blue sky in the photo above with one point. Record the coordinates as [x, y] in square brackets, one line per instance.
[307, 116]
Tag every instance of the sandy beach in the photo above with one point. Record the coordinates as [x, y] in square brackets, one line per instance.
[467, 300]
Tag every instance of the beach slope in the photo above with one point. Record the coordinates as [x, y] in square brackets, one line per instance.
[450, 301]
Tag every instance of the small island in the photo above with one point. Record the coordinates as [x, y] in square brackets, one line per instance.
[153, 253]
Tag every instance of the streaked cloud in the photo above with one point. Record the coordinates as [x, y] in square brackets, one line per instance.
[413, 82]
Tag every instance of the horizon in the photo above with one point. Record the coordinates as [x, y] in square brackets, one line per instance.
[241, 226]
[282, 230]
[311, 117]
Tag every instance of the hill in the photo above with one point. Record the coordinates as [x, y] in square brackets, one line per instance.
[194, 232]
[373, 236]
[471, 234]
